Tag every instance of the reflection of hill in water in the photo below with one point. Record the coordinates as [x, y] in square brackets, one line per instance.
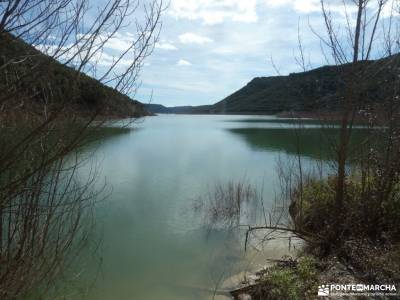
[310, 142]
[286, 121]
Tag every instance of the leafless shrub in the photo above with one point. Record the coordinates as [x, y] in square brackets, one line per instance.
[46, 205]
[226, 205]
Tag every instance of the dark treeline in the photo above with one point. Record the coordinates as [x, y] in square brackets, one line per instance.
[346, 209]
[52, 102]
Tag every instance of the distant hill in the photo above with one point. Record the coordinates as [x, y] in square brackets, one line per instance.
[157, 108]
[38, 71]
[295, 92]
[318, 89]
[161, 109]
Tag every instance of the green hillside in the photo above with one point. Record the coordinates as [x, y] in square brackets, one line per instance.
[38, 76]
[318, 89]
[161, 109]
[297, 92]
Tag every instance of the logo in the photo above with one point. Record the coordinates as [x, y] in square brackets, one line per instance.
[323, 290]
[326, 290]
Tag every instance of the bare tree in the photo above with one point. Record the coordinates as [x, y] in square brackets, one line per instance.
[357, 185]
[355, 98]
[45, 206]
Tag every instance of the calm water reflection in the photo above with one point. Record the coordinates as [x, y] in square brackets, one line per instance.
[154, 246]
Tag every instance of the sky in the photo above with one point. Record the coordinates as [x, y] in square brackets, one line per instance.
[208, 49]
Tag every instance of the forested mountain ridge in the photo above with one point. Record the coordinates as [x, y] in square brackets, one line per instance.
[35, 76]
[318, 89]
[315, 90]
[161, 109]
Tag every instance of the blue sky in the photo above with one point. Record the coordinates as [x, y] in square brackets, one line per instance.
[210, 48]
[216, 47]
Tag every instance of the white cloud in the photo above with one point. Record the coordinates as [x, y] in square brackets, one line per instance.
[311, 6]
[307, 6]
[105, 58]
[165, 46]
[215, 11]
[392, 7]
[302, 6]
[119, 42]
[335, 6]
[183, 63]
[192, 38]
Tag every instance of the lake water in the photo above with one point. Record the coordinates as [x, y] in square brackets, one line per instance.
[154, 245]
